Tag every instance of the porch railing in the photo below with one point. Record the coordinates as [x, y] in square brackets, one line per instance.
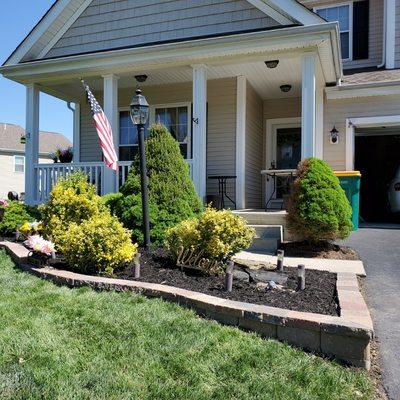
[47, 175]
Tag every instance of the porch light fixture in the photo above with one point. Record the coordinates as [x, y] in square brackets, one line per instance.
[272, 63]
[286, 88]
[334, 135]
[139, 110]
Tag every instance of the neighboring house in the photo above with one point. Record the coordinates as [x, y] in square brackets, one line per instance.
[12, 156]
[242, 84]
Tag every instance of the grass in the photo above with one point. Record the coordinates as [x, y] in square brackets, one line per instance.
[58, 343]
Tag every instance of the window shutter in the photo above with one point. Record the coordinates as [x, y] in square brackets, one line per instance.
[360, 30]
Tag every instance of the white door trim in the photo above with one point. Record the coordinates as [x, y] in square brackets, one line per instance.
[364, 122]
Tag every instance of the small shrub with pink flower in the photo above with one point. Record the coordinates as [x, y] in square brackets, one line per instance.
[3, 203]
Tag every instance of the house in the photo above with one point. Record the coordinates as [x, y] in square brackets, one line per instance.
[242, 84]
[12, 156]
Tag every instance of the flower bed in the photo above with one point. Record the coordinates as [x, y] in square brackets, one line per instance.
[319, 296]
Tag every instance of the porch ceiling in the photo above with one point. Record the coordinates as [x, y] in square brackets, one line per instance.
[265, 81]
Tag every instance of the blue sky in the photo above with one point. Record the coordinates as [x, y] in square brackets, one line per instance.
[18, 18]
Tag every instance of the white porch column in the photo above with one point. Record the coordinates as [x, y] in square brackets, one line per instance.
[110, 106]
[200, 129]
[308, 106]
[77, 133]
[32, 142]
[241, 142]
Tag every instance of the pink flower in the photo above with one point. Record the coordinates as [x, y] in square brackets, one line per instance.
[3, 203]
[40, 245]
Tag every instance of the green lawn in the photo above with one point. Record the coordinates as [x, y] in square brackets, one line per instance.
[58, 343]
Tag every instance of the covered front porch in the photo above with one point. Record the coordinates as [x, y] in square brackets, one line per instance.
[222, 99]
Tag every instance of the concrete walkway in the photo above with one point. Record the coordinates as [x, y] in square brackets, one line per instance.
[380, 251]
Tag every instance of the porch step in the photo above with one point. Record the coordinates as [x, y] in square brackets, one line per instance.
[267, 218]
[268, 238]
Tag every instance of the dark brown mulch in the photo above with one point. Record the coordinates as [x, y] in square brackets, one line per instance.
[321, 250]
[319, 296]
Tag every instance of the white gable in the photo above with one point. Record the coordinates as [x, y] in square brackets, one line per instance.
[83, 26]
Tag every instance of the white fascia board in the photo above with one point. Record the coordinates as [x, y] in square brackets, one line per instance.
[272, 12]
[368, 90]
[37, 32]
[297, 11]
[64, 29]
[173, 54]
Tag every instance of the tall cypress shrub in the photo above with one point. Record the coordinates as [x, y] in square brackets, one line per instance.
[172, 195]
[318, 208]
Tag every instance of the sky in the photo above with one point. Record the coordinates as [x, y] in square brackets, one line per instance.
[18, 18]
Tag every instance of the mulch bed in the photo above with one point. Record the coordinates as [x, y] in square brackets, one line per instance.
[318, 297]
[321, 250]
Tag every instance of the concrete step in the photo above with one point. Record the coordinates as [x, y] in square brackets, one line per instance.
[268, 238]
[264, 246]
[263, 218]
[268, 231]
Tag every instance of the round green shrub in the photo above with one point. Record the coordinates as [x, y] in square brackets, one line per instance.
[318, 208]
[172, 196]
[15, 215]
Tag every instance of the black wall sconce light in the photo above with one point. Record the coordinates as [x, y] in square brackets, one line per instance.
[334, 135]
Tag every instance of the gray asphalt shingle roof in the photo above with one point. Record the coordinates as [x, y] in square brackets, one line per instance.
[49, 142]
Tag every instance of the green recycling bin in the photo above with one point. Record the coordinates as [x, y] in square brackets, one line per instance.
[350, 181]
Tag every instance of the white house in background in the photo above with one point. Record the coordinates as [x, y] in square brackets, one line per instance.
[12, 156]
[241, 84]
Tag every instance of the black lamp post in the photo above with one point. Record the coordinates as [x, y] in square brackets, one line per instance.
[139, 115]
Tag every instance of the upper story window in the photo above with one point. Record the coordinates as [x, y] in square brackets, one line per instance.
[19, 164]
[343, 15]
[353, 18]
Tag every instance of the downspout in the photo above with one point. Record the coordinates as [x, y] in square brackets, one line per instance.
[383, 63]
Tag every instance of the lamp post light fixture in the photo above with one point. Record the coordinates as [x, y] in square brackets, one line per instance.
[139, 110]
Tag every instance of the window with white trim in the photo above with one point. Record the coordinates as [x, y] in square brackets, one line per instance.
[342, 14]
[19, 164]
[176, 117]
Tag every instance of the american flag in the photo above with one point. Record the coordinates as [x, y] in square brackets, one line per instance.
[103, 129]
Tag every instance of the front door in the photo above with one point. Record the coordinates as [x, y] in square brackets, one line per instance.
[283, 151]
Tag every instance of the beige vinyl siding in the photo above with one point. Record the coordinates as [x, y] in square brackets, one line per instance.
[9, 179]
[110, 24]
[375, 32]
[336, 112]
[221, 124]
[254, 148]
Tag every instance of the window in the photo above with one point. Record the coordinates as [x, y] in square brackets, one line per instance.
[343, 15]
[176, 119]
[19, 164]
[128, 137]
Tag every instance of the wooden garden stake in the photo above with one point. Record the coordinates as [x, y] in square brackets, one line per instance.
[229, 277]
[279, 264]
[136, 262]
[301, 277]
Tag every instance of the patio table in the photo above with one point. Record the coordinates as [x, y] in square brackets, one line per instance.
[273, 174]
[222, 179]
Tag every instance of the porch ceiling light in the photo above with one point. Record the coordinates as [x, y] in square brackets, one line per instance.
[286, 88]
[272, 63]
[139, 109]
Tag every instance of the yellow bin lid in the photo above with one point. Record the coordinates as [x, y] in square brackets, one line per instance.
[347, 173]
